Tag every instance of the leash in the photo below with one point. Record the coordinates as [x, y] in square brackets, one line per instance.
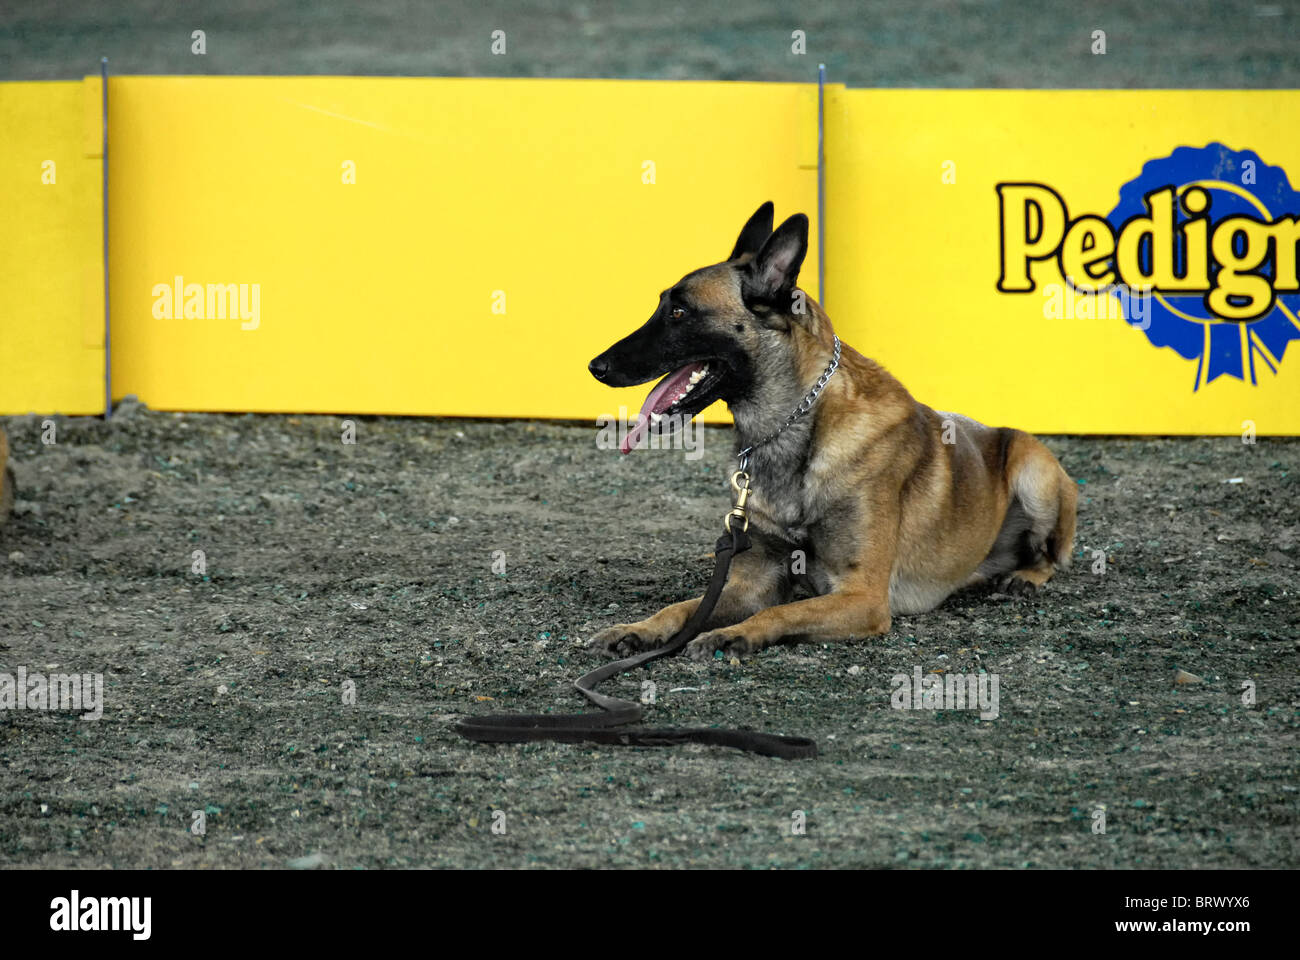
[612, 726]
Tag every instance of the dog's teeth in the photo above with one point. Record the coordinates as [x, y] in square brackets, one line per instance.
[656, 417]
[698, 375]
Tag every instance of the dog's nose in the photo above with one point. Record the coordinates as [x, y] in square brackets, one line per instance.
[599, 368]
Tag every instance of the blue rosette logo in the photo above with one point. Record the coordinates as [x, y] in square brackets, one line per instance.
[1231, 302]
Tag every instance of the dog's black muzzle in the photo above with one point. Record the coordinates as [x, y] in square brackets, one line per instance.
[639, 357]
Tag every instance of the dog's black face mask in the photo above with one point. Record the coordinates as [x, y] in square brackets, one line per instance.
[708, 328]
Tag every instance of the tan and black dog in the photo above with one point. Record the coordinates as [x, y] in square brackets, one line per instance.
[6, 479]
[893, 505]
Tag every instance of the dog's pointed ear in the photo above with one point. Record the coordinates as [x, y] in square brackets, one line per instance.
[755, 232]
[775, 269]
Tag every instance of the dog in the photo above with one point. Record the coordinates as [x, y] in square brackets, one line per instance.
[871, 504]
[6, 479]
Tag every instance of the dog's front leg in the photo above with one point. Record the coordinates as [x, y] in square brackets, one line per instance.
[861, 559]
[757, 579]
[835, 616]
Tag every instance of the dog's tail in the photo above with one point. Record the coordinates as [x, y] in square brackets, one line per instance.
[1048, 497]
[1060, 542]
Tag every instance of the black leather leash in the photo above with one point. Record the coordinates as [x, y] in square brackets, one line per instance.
[612, 725]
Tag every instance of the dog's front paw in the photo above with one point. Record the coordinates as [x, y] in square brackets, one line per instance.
[625, 639]
[731, 644]
[1016, 585]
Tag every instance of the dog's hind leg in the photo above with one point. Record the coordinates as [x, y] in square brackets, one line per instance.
[1046, 499]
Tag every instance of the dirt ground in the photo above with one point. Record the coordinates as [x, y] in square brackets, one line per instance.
[884, 43]
[373, 563]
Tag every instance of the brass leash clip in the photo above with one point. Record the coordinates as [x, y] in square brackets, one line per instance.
[739, 483]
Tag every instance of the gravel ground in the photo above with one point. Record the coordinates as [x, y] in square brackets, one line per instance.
[373, 563]
[898, 43]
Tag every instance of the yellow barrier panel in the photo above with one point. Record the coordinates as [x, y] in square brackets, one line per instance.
[952, 216]
[464, 246]
[51, 248]
[448, 246]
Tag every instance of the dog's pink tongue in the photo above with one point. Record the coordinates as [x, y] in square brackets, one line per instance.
[663, 396]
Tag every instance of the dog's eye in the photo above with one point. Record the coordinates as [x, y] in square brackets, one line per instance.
[678, 313]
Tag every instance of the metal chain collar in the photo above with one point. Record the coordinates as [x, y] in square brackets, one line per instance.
[740, 479]
[804, 406]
